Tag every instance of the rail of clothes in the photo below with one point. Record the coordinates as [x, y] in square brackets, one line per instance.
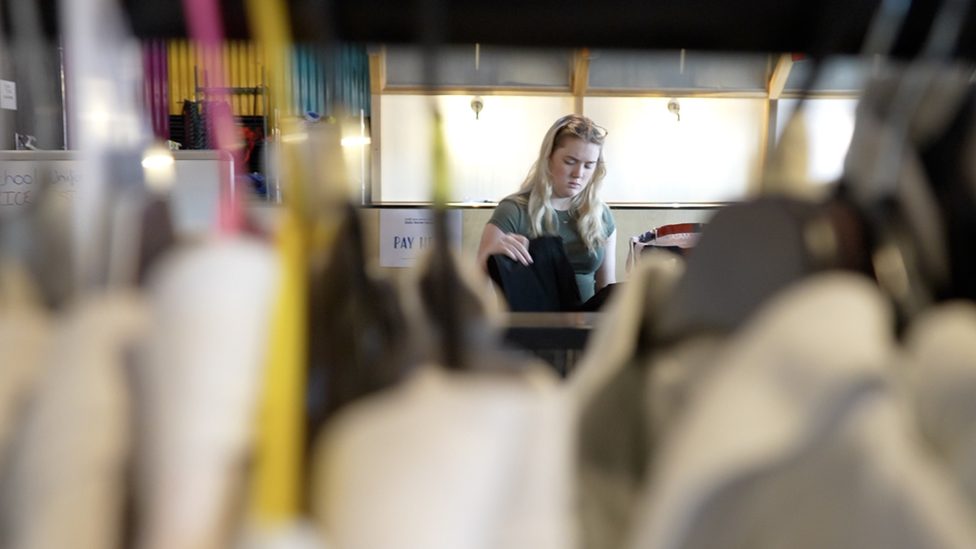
[807, 378]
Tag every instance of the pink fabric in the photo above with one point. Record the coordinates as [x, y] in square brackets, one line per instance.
[206, 28]
[157, 86]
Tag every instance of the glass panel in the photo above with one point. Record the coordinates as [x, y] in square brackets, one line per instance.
[496, 66]
[829, 125]
[838, 74]
[635, 70]
[487, 158]
[713, 154]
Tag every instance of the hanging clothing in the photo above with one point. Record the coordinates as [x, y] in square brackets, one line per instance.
[360, 340]
[25, 333]
[64, 486]
[194, 128]
[449, 460]
[471, 451]
[940, 365]
[197, 386]
[614, 417]
[453, 317]
[798, 436]
[156, 234]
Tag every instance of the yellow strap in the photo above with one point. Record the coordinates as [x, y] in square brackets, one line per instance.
[278, 472]
[278, 476]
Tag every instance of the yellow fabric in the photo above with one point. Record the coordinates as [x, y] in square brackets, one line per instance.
[278, 472]
[269, 24]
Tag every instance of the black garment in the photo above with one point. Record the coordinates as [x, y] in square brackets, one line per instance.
[683, 252]
[156, 235]
[547, 285]
[596, 302]
[194, 130]
[359, 338]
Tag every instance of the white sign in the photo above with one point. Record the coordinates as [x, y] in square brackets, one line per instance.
[21, 180]
[194, 198]
[406, 235]
[8, 95]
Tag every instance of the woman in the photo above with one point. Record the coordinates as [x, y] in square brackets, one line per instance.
[560, 197]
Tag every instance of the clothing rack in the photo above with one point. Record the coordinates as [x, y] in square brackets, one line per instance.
[260, 90]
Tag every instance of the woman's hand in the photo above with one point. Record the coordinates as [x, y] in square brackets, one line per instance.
[494, 241]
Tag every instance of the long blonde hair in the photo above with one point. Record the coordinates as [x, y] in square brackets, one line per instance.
[586, 206]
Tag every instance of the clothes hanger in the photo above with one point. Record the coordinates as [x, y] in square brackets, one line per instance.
[945, 161]
[747, 253]
[905, 180]
[360, 339]
[441, 287]
[459, 326]
[752, 250]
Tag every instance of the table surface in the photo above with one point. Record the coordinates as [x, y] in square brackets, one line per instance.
[549, 330]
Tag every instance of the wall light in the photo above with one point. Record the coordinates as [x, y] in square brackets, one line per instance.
[158, 168]
[157, 161]
[674, 107]
[355, 141]
[476, 105]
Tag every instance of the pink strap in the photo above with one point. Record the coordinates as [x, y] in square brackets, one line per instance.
[206, 28]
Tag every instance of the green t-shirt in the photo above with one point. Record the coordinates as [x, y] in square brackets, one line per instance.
[512, 217]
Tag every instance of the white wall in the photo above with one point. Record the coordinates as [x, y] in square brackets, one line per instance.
[712, 154]
[829, 126]
[487, 158]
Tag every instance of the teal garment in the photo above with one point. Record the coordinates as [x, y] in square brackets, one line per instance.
[513, 217]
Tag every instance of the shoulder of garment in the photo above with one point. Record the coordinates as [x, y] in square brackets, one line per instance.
[798, 437]
[198, 382]
[615, 338]
[448, 459]
[65, 478]
[940, 369]
[25, 331]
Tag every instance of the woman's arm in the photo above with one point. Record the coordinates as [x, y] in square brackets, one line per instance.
[494, 241]
[607, 273]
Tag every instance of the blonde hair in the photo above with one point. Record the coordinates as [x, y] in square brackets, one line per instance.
[586, 206]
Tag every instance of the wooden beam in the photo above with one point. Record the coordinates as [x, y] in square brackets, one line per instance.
[580, 77]
[782, 71]
[377, 71]
[375, 182]
[480, 90]
[603, 92]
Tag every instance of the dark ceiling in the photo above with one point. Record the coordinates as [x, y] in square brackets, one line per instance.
[808, 26]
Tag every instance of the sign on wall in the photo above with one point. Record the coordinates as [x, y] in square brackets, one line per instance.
[21, 179]
[407, 234]
[8, 95]
[194, 197]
